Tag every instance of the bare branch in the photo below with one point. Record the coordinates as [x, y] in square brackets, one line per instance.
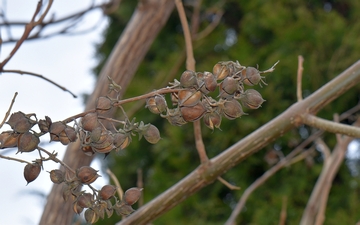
[9, 110]
[330, 126]
[299, 78]
[21, 72]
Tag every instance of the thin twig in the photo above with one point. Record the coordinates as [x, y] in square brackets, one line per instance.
[28, 29]
[14, 159]
[227, 184]
[283, 213]
[190, 65]
[9, 110]
[140, 184]
[55, 159]
[21, 72]
[299, 78]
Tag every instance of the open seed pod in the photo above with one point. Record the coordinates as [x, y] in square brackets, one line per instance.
[189, 97]
[193, 113]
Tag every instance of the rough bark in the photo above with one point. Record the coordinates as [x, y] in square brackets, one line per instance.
[146, 22]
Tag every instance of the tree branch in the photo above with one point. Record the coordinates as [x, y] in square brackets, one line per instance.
[232, 156]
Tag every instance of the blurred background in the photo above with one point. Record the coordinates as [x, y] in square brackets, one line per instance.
[255, 33]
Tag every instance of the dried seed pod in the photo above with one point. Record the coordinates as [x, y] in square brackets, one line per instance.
[124, 210]
[103, 104]
[210, 81]
[70, 133]
[121, 140]
[212, 120]
[222, 70]
[132, 195]
[174, 98]
[193, 113]
[232, 109]
[251, 99]
[229, 85]
[156, 104]
[90, 121]
[28, 142]
[174, 117]
[31, 172]
[85, 200]
[44, 125]
[152, 134]
[77, 209]
[188, 79]
[87, 149]
[86, 174]
[107, 192]
[90, 216]
[8, 139]
[189, 97]
[57, 176]
[251, 76]
[20, 122]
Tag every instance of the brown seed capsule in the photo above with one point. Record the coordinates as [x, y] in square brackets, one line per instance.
[132, 195]
[251, 99]
[188, 79]
[232, 109]
[87, 175]
[174, 117]
[103, 104]
[31, 172]
[124, 210]
[28, 142]
[90, 216]
[161, 103]
[77, 209]
[229, 85]
[90, 121]
[44, 125]
[152, 134]
[8, 139]
[189, 97]
[57, 176]
[210, 81]
[251, 76]
[222, 70]
[20, 122]
[107, 191]
[212, 120]
[85, 200]
[193, 113]
[121, 140]
[151, 105]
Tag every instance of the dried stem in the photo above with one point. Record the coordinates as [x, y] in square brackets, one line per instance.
[227, 184]
[55, 159]
[21, 72]
[9, 110]
[283, 213]
[288, 160]
[330, 126]
[28, 29]
[190, 65]
[140, 184]
[299, 78]
[14, 159]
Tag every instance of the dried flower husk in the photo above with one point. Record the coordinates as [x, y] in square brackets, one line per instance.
[31, 172]
[27, 142]
[87, 149]
[251, 99]
[221, 70]
[107, 192]
[193, 113]
[212, 119]
[251, 76]
[174, 117]
[44, 125]
[152, 134]
[123, 210]
[20, 122]
[77, 209]
[189, 97]
[8, 139]
[132, 195]
[232, 109]
[57, 176]
[151, 105]
[121, 140]
[85, 200]
[90, 216]
[86, 174]
[188, 79]
[103, 104]
[90, 121]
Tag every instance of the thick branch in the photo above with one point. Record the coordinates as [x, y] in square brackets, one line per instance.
[145, 24]
[232, 156]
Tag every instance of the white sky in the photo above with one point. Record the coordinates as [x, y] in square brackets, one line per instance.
[66, 60]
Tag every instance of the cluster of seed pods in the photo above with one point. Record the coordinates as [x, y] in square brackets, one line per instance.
[195, 100]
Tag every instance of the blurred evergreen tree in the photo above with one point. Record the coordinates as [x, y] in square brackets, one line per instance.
[254, 32]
